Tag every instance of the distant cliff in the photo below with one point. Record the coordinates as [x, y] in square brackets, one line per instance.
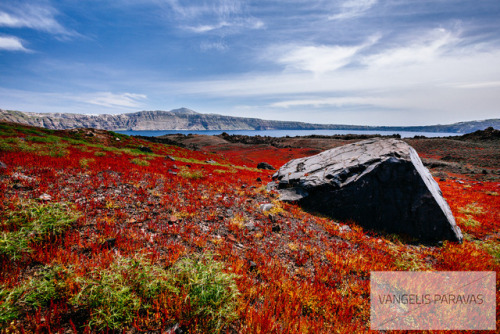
[185, 119]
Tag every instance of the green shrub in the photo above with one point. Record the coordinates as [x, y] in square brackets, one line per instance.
[44, 139]
[139, 162]
[46, 285]
[212, 294]
[114, 296]
[84, 162]
[32, 221]
[187, 174]
[469, 221]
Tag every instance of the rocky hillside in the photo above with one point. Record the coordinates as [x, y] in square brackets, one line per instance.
[186, 119]
[178, 119]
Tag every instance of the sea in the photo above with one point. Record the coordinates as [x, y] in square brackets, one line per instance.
[289, 133]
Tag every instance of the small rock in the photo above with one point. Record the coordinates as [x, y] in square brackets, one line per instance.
[175, 167]
[243, 186]
[252, 265]
[45, 197]
[169, 157]
[117, 139]
[145, 149]
[344, 228]
[3, 165]
[460, 182]
[250, 226]
[266, 207]
[109, 243]
[210, 161]
[172, 172]
[442, 179]
[485, 171]
[259, 179]
[276, 228]
[19, 177]
[265, 165]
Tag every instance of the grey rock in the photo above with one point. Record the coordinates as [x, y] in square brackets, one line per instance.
[3, 165]
[169, 157]
[45, 197]
[344, 228]
[252, 265]
[265, 165]
[378, 183]
[250, 226]
[21, 177]
[266, 207]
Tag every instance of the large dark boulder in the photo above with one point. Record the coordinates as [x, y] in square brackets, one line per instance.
[378, 183]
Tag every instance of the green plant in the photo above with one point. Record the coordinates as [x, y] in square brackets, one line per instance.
[212, 295]
[469, 221]
[472, 209]
[139, 162]
[114, 296]
[30, 222]
[187, 174]
[14, 244]
[84, 162]
[99, 154]
[44, 139]
[47, 284]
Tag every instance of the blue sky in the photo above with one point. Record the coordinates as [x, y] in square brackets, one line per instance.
[373, 62]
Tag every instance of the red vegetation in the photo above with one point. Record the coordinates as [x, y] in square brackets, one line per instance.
[297, 272]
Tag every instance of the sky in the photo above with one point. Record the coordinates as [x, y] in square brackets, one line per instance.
[365, 62]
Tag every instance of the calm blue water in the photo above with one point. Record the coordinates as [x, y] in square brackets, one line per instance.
[290, 133]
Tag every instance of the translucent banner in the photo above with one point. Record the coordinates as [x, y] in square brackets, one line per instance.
[445, 300]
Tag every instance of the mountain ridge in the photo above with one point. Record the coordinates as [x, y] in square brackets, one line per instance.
[187, 119]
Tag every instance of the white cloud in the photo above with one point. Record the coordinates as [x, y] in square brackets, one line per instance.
[207, 16]
[207, 46]
[317, 59]
[108, 99]
[426, 48]
[478, 85]
[64, 102]
[208, 27]
[353, 8]
[444, 86]
[33, 16]
[338, 102]
[11, 43]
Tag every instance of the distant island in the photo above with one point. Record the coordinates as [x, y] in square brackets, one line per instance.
[186, 119]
